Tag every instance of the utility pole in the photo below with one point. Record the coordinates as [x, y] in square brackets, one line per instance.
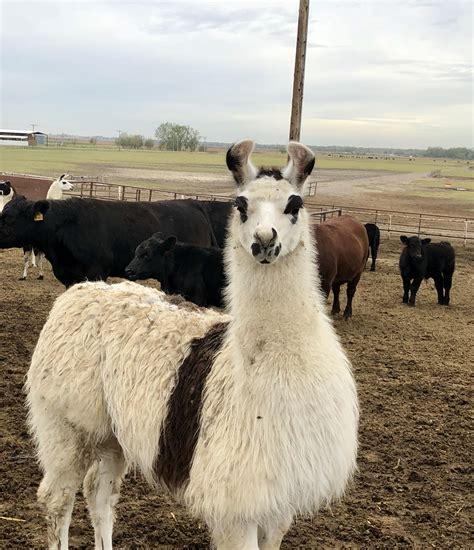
[119, 134]
[298, 78]
[33, 127]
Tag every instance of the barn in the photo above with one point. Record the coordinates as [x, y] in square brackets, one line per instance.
[22, 137]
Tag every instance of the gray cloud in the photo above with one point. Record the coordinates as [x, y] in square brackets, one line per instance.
[374, 69]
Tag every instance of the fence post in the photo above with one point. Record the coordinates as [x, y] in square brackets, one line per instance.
[91, 190]
[465, 231]
[389, 225]
[419, 226]
[149, 195]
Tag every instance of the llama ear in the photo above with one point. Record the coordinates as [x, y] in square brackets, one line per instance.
[300, 165]
[239, 163]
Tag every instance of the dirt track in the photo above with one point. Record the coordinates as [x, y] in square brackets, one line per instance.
[414, 372]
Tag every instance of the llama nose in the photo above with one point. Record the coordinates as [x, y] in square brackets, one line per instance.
[266, 237]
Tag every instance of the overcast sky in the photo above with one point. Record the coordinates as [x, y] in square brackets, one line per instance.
[379, 73]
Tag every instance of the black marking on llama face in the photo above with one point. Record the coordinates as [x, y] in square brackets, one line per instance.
[241, 204]
[293, 206]
[274, 173]
[181, 427]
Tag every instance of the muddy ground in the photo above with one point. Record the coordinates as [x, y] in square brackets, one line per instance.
[414, 371]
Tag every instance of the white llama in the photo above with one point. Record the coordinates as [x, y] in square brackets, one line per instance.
[35, 256]
[249, 418]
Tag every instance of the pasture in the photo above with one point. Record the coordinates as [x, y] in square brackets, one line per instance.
[413, 368]
[392, 183]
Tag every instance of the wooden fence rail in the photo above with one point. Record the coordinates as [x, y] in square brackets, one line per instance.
[389, 221]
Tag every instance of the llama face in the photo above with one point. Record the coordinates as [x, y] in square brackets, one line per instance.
[63, 184]
[271, 216]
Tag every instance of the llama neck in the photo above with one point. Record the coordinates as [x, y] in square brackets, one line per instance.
[54, 192]
[272, 301]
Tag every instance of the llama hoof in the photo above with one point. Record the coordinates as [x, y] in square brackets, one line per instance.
[22, 278]
[40, 277]
[411, 304]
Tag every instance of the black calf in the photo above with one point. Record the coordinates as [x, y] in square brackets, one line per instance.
[421, 259]
[195, 272]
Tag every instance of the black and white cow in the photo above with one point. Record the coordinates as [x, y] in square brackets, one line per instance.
[195, 272]
[421, 259]
[93, 239]
[373, 233]
[7, 192]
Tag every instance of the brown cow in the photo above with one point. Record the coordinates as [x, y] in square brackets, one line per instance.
[343, 248]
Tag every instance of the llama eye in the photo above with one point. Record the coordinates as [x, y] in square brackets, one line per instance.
[241, 203]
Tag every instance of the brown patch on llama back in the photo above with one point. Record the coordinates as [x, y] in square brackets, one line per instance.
[182, 423]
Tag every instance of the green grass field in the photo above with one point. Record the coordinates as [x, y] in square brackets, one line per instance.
[51, 161]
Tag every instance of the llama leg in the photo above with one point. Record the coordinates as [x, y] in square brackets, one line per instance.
[240, 537]
[102, 490]
[26, 263]
[64, 462]
[270, 536]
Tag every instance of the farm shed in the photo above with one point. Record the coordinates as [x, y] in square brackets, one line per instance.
[21, 137]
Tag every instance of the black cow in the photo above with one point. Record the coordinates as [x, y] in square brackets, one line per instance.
[422, 259]
[93, 239]
[195, 272]
[373, 232]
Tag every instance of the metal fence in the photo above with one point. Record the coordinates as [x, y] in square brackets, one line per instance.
[389, 221]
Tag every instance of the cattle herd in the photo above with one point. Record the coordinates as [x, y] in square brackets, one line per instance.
[225, 409]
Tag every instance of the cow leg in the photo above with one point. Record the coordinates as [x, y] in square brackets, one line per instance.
[438, 280]
[336, 306]
[26, 264]
[406, 288]
[40, 258]
[448, 281]
[351, 289]
[373, 252]
[415, 285]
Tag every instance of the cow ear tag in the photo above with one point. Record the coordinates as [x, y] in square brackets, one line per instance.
[38, 217]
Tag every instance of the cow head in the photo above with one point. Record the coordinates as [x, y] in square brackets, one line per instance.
[20, 221]
[153, 258]
[271, 217]
[414, 246]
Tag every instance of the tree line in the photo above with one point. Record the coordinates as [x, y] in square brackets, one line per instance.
[169, 137]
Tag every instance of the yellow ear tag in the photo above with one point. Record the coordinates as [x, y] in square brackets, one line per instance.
[38, 217]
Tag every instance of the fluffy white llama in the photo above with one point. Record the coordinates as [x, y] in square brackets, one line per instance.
[248, 418]
[35, 256]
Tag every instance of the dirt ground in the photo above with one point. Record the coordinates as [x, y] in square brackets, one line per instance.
[414, 369]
